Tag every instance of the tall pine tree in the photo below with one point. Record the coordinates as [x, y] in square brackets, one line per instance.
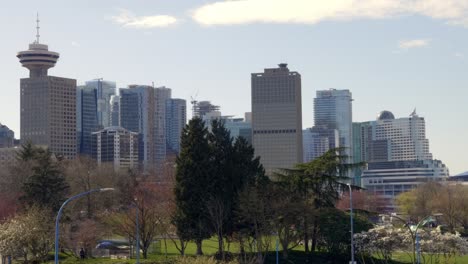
[193, 170]
[46, 186]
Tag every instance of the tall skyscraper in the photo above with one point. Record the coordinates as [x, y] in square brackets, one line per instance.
[277, 117]
[176, 118]
[48, 103]
[104, 91]
[7, 137]
[115, 110]
[162, 94]
[137, 114]
[333, 110]
[86, 117]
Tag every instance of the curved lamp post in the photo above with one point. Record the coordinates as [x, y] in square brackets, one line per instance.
[137, 232]
[352, 222]
[59, 214]
[413, 229]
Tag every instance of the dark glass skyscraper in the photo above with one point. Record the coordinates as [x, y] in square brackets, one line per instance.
[176, 118]
[87, 117]
[137, 114]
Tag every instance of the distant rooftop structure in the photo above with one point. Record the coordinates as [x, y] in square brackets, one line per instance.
[462, 177]
[385, 115]
[201, 108]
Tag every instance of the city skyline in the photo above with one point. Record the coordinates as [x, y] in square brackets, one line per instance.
[385, 63]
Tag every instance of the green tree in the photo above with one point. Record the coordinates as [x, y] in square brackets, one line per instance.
[334, 229]
[221, 191]
[193, 170]
[46, 186]
[233, 167]
[318, 183]
[254, 221]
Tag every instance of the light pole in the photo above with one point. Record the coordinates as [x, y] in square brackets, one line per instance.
[277, 249]
[413, 229]
[137, 234]
[352, 222]
[59, 214]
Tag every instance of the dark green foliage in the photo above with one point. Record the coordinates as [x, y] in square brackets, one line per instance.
[211, 172]
[192, 180]
[334, 229]
[28, 151]
[247, 167]
[46, 186]
[317, 184]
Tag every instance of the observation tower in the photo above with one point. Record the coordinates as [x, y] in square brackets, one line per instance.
[38, 59]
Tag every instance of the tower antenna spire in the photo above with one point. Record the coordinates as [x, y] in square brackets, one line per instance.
[37, 28]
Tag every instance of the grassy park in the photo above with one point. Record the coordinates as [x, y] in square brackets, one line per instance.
[297, 255]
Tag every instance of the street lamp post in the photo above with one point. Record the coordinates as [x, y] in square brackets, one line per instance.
[277, 250]
[352, 222]
[414, 234]
[137, 234]
[59, 214]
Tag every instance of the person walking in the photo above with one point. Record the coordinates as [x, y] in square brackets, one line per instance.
[82, 254]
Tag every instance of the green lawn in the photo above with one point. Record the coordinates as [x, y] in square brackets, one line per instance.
[210, 247]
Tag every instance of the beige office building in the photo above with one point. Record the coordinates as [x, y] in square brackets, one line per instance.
[48, 103]
[277, 118]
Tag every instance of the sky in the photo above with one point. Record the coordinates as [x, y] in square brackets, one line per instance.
[394, 55]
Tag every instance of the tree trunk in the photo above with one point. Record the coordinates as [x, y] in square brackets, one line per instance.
[89, 213]
[220, 245]
[285, 252]
[314, 235]
[198, 242]
[306, 236]
[165, 247]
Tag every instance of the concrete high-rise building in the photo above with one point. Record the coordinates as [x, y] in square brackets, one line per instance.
[397, 154]
[317, 141]
[115, 110]
[333, 110]
[48, 103]
[162, 95]
[115, 145]
[7, 137]
[176, 119]
[137, 114]
[277, 117]
[86, 117]
[390, 139]
[104, 91]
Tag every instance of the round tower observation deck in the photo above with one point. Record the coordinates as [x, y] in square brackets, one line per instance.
[38, 59]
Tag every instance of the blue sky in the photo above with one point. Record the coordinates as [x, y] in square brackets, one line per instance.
[395, 55]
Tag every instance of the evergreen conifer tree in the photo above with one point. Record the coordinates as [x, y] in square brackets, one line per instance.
[192, 180]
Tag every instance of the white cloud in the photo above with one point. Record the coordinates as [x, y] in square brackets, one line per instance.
[314, 11]
[128, 19]
[75, 44]
[459, 55]
[413, 43]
